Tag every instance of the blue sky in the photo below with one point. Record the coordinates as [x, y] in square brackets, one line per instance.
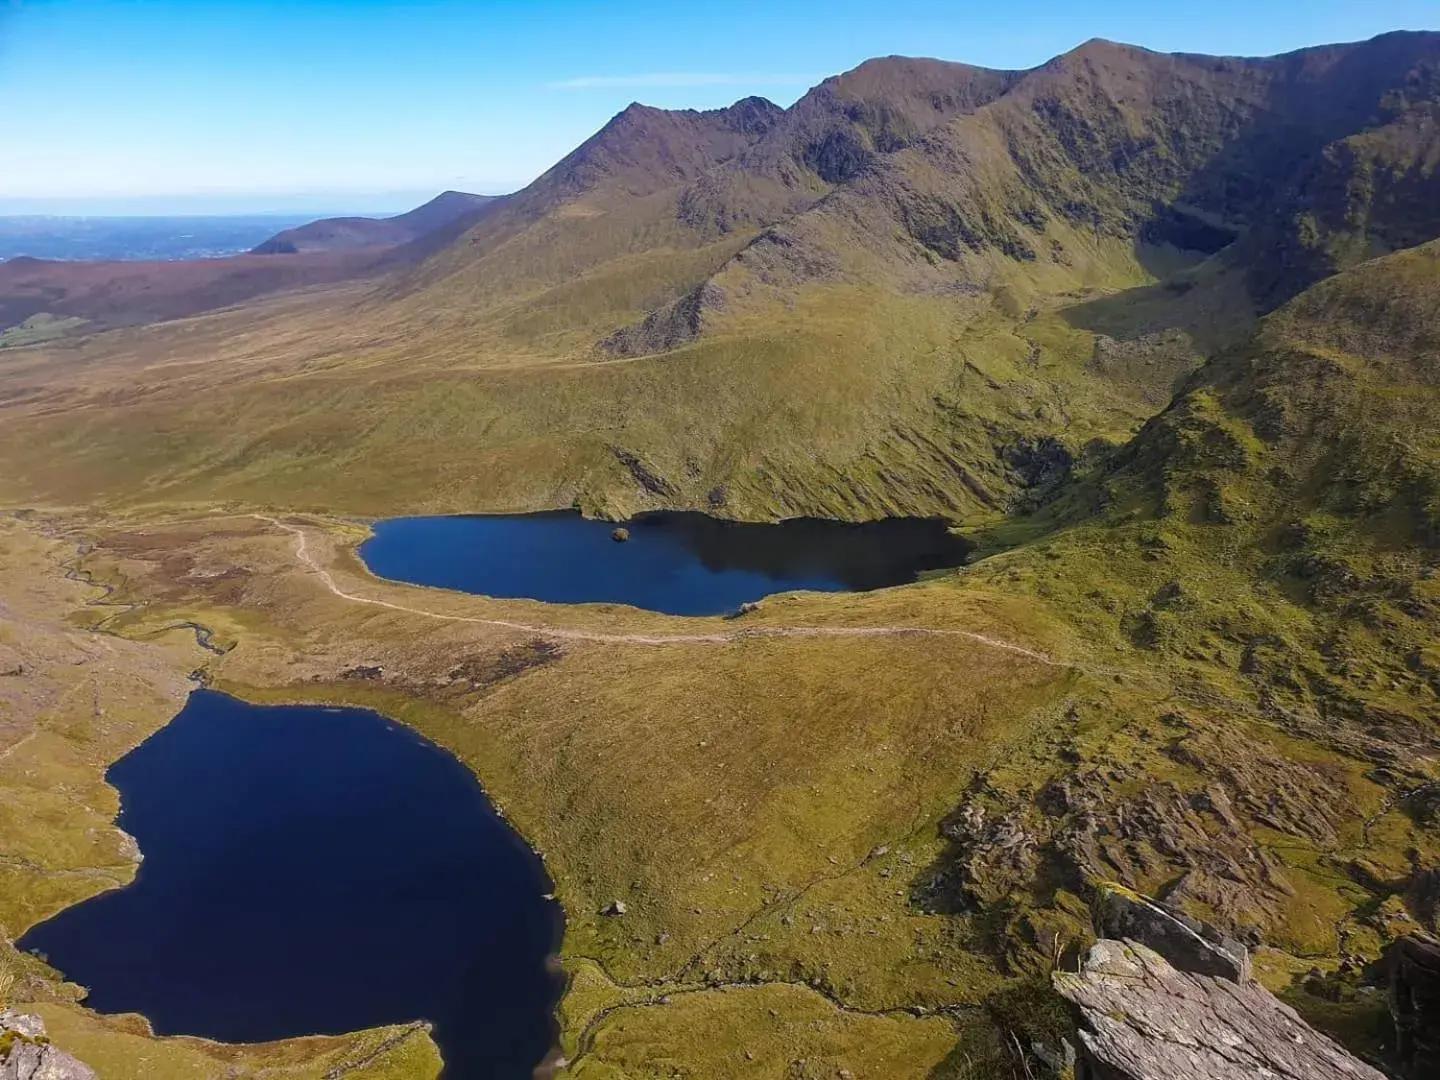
[336, 104]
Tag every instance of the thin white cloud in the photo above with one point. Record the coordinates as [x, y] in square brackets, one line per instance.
[680, 78]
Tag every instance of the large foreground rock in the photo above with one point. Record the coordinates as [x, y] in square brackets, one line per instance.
[1415, 1004]
[1141, 1019]
[1186, 943]
[26, 1054]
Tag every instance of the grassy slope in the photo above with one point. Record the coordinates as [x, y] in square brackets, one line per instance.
[839, 393]
[1270, 541]
[885, 377]
[1287, 684]
[769, 810]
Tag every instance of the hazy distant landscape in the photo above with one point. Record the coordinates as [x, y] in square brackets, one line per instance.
[167, 238]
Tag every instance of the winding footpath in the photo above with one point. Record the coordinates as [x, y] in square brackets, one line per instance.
[302, 553]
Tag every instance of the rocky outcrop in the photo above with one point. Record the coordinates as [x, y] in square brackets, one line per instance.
[1414, 964]
[669, 327]
[1422, 897]
[649, 480]
[993, 855]
[1139, 1018]
[27, 1054]
[1037, 462]
[1187, 944]
[1118, 821]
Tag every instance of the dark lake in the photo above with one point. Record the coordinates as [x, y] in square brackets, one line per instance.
[678, 563]
[317, 871]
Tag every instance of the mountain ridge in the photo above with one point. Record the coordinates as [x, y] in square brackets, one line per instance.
[956, 219]
[355, 233]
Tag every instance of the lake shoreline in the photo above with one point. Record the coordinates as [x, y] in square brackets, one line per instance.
[682, 563]
[544, 903]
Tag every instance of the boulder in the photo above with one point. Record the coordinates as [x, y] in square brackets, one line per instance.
[615, 907]
[1187, 944]
[1414, 964]
[1139, 1018]
[620, 535]
[26, 1054]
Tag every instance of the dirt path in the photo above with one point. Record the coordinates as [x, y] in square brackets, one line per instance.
[302, 552]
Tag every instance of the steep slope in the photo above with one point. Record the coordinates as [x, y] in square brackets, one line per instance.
[1269, 544]
[1362, 196]
[1342, 389]
[690, 180]
[1113, 143]
[355, 233]
[829, 135]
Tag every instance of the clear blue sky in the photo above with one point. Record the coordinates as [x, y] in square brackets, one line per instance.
[256, 104]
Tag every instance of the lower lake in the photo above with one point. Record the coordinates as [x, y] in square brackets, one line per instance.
[316, 871]
[677, 563]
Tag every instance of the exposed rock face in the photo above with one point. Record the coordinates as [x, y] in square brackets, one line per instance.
[1415, 1003]
[994, 854]
[1117, 822]
[1038, 462]
[26, 1054]
[647, 478]
[1422, 897]
[1187, 944]
[1141, 1019]
[669, 327]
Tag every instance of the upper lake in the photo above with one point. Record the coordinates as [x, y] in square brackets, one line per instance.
[677, 563]
[317, 871]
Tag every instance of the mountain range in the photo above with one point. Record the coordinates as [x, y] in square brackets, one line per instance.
[905, 287]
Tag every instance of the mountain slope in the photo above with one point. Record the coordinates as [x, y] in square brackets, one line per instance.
[355, 233]
[1362, 196]
[924, 288]
[1270, 543]
[1112, 143]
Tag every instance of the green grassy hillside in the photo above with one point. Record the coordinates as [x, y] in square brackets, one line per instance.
[875, 846]
[1269, 542]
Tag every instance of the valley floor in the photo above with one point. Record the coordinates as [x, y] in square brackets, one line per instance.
[774, 800]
